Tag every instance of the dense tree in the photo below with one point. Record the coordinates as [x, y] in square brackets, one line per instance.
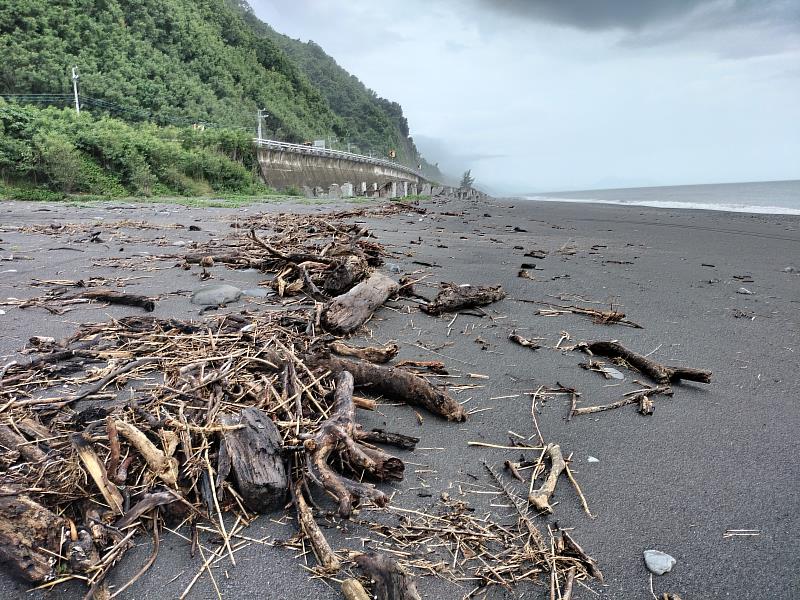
[467, 180]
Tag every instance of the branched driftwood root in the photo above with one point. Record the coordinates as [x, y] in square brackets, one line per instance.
[29, 536]
[452, 297]
[338, 434]
[392, 582]
[540, 497]
[348, 312]
[376, 354]
[396, 384]
[661, 374]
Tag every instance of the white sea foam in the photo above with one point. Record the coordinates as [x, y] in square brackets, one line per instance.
[725, 207]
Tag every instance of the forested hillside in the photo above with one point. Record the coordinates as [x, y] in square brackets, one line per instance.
[167, 62]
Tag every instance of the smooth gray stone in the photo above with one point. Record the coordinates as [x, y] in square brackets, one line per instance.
[658, 562]
[214, 295]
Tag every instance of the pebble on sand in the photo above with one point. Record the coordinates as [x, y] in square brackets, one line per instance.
[658, 562]
[745, 291]
[214, 295]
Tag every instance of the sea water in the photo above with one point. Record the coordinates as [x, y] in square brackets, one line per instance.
[767, 197]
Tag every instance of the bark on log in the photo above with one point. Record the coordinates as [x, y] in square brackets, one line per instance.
[338, 434]
[392, 582]
[453, 297]
[661, 374]
[348, 312]
[540, 498]
[253, 453]
[396, 384]
[346, 273]
[29, 537]
[376, 354]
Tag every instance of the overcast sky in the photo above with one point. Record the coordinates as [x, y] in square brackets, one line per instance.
[538, 95]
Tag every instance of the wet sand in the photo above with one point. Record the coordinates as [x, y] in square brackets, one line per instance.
[711, 458]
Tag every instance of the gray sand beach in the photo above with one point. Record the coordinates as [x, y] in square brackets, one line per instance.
[712, 458]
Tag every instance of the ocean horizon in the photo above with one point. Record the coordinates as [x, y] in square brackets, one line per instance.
[762, 197]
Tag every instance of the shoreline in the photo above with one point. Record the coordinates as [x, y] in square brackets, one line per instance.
[674, 481]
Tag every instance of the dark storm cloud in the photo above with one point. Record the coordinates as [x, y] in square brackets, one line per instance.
[636, 15]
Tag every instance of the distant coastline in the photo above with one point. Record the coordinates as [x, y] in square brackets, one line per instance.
[768, 197]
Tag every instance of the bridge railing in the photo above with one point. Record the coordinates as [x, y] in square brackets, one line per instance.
[327, 153]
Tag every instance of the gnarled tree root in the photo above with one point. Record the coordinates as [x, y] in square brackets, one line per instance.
[396, 384]
[339, 434]
[540, 498]
[454, 297]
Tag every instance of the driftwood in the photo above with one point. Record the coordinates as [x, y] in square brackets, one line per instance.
[661, 374]
[434, 366]
[570, 547]
[353, 590]
[379, 436]
[113, 297]
[641, 397]
[253, 454]
[30, 536]
[540, 497]
[376, 354]
[166, 467]
[345, 274]
[322, 550]
[397, 384]
[452, 297]
[338, 434]
[525, 342]
[96, 469]
[15, 442]
[348, 312]
[392, 582]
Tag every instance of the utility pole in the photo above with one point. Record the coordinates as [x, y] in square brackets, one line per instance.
[260, 114]
[75, 77]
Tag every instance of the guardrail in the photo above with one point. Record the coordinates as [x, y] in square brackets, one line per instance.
[326, 153]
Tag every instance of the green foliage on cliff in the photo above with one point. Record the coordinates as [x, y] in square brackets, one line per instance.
[193, 61]
[46, 153]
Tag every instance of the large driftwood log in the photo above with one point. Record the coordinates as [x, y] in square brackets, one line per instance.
[348, 312]
[396, 384]
[376, 354]
[346, 272]
[661, 374]
[452, 297]
[253, 454]
[339, 434]
[29, 536]
[392, 582]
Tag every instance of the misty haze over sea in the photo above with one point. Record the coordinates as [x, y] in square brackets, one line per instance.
[766, 197]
